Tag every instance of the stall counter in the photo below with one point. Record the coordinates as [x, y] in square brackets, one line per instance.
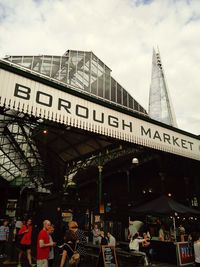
[180, 253]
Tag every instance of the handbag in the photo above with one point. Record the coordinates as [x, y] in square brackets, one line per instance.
[75, 258]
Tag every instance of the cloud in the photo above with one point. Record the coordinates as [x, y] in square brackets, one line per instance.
[122, 34]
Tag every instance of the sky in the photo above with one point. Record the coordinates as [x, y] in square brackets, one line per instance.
[122, 33]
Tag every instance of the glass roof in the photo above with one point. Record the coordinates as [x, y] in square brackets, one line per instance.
[82, 70]
[20, 161]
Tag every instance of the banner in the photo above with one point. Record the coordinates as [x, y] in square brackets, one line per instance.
[35, 98]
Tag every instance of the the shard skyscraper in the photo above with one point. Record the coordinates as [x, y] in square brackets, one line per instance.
[160, 105]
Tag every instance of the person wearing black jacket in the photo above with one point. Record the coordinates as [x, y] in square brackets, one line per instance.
[81, 240]
[68, 247]
[104, 240]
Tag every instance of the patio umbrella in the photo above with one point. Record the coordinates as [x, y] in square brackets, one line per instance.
[164, 205]
[134, 227]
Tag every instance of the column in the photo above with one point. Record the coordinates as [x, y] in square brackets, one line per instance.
[100, 195]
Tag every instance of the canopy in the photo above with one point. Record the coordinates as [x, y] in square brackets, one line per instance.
[164, 205]
[134, 227]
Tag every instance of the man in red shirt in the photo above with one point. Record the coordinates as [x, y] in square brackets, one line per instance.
[43, 245]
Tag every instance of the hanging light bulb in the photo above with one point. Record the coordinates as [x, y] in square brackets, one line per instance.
[45, 131]
[135, 161]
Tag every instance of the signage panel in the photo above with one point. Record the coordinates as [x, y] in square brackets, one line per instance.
[40, 100]
[107, 257]
[185, 254]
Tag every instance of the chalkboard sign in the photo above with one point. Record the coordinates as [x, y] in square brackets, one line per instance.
[107, 257]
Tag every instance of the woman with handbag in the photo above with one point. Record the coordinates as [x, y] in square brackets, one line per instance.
[70, 257]
[81, 241]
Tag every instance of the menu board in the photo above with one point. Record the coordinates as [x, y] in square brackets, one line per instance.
[185, 253]
[107, 257]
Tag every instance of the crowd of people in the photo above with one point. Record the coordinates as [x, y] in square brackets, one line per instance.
[74, 241]
[99, 237]
[72, 247]
[140, 243]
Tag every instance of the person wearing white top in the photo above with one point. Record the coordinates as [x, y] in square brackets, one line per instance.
[51, 252]
[96, 235]
[111, 240]
[134, 247]
[197, 252]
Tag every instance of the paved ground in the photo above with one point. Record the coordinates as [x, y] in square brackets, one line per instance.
[14, 264]
[11, 261]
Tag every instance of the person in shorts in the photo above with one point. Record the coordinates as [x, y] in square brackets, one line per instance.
[25, 243]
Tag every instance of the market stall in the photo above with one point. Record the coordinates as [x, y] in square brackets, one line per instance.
[169, 249]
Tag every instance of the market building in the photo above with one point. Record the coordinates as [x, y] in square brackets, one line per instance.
[73, 138]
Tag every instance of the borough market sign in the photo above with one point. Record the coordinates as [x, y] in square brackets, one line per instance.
[33, 97]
